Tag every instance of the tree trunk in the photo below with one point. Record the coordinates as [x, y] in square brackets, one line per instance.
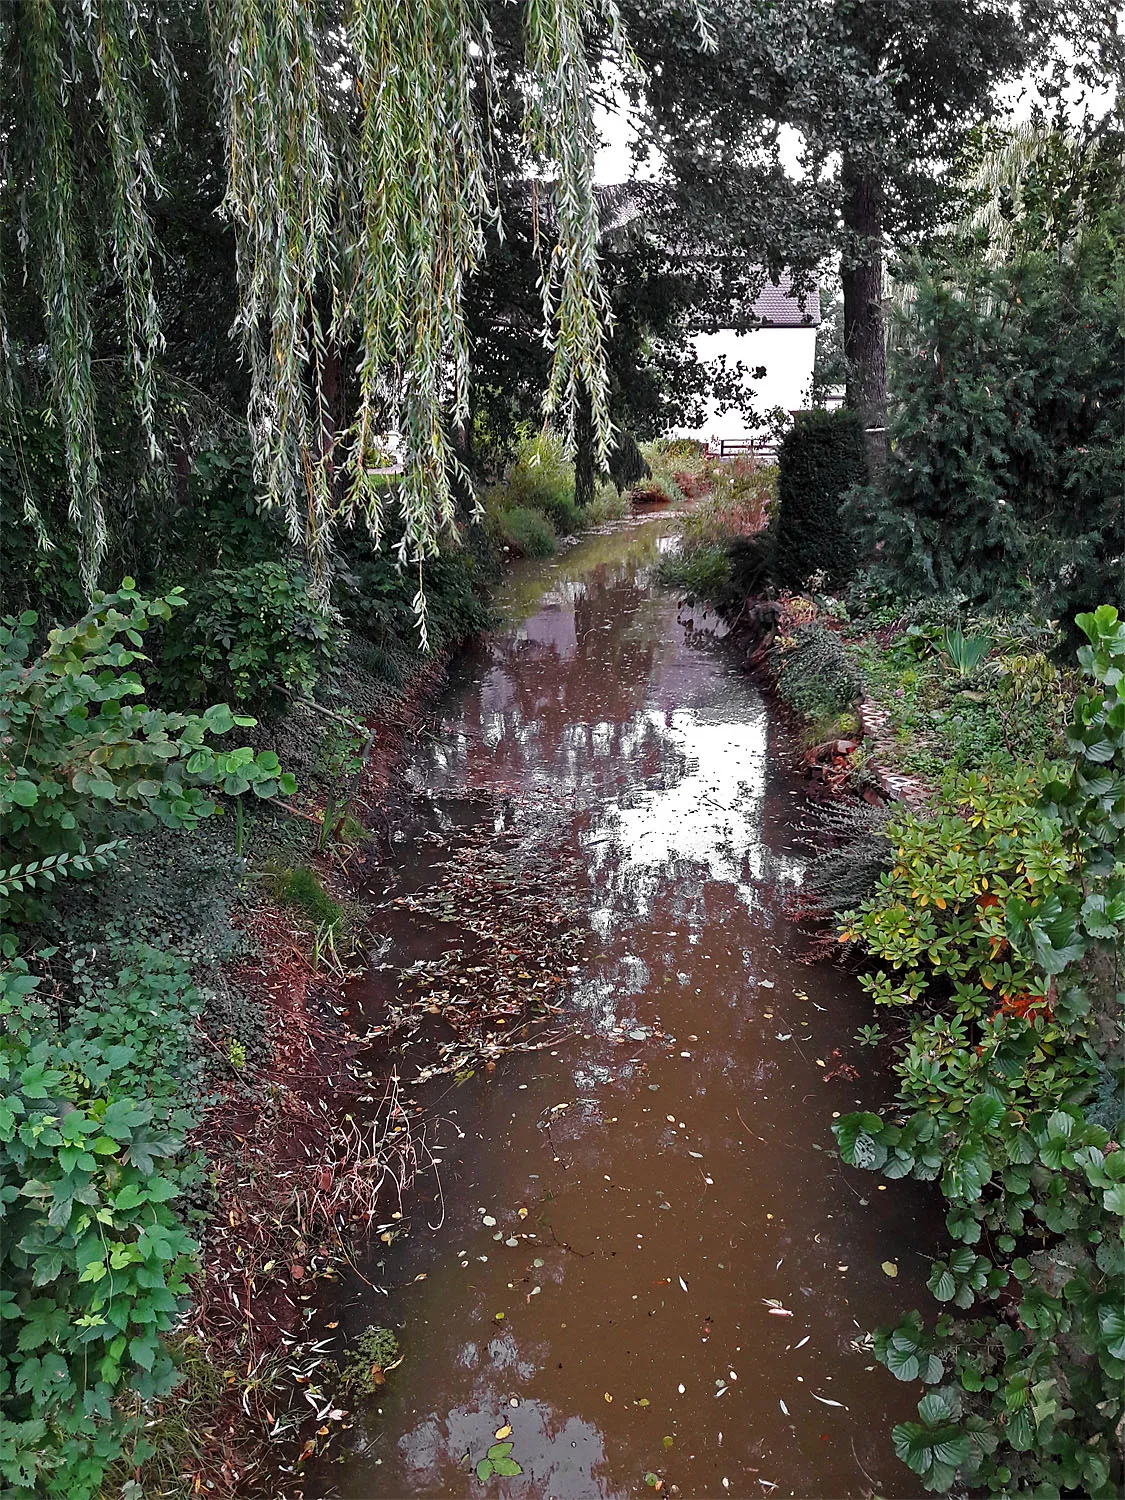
[861, 274]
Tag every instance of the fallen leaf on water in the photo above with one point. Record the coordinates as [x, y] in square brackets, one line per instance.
[783, 1406]
[503, 1432]
[824, 1401]
[523, 1213]
[889, 1268]
[683, 1283]
[803, 1342]
[608, 1397]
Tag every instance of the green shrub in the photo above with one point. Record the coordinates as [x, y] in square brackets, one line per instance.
[93, 1259]
[252, 636]
[679, 451]
[377, 591]
[527, 532]
[1001, 925]
[301, 887]
[81, 764]
[821, 457]
[1007, 415]
[542, 479]
[815, 672]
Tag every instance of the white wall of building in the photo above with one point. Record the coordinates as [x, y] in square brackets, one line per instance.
[787, 355]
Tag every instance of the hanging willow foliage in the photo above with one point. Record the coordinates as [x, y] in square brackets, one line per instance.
[63, 61]
[358, 184]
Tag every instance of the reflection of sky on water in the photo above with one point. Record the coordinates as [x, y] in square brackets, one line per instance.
[706, 818]
[570, 1453]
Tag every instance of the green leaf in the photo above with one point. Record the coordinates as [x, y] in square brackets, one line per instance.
[1019, 1431]
[24, 793]
[218, 718]
[484, 1470]
[942, 1283]
[1112, 1321]
[142, 1351]
[985, 1112]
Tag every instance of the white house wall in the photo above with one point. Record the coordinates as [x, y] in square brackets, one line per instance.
[786, 353]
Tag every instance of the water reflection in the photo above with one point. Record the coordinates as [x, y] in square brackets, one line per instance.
[571, 1466]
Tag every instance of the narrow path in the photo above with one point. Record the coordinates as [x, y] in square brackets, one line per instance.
[651, 1260]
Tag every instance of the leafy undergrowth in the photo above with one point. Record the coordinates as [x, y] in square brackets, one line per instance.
[962, 692]
[171, 1179]
[989, 919]
[999, 928]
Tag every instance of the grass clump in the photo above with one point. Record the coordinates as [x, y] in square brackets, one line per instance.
[526, 532]
[301, 887]
[607, 505]
[541, 479]
[698, 573]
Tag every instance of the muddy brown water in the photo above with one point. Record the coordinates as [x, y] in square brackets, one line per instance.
[693, 1270]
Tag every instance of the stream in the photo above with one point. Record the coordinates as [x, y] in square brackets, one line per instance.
[650, 1260]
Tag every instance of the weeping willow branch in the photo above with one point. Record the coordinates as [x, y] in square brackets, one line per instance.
[359, 185]
[561, 130]
[422, 199]
[46, 218]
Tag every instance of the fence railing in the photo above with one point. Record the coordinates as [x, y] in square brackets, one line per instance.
[732, 447]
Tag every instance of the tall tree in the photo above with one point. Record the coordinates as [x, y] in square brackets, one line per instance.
[883, 94]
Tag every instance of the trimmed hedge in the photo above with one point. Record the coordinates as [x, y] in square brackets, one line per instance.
[820, 458]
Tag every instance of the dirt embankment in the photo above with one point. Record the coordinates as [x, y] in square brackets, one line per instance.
[291, 1175]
